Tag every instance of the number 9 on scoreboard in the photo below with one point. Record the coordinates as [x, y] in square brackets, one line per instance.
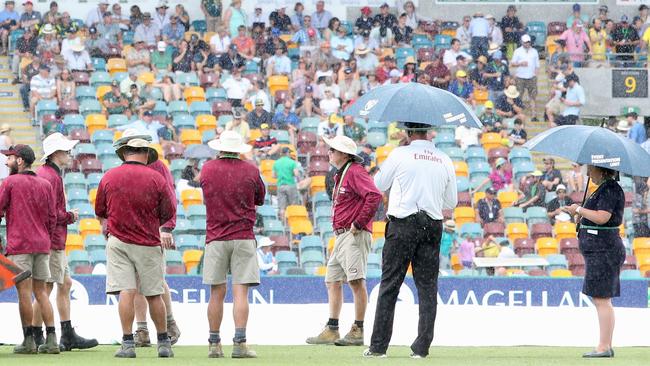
[630, 83]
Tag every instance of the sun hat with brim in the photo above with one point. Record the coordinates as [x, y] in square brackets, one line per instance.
[537, 173]
[623, 126]
[345, 145]
[152, 154]
[493, 48]
[230, 141]
[560, 187]
[511, 92]
[5, 127]
[77, 46]
[130, 133]
[361, 50]
[410, 60]
[265, 242]
[499, 162]
[450, 224]
[57, 142]
[48, 29]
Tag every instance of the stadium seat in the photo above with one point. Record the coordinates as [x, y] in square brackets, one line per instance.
[311, 261]
[177, 107]
[576, 264]
[496, 153]
[631, 274]
[461, 168]
[74, 242]
[516, 230]
[472, 228]
[89, 106]
[378, 229]
[184, 122]
[74, 180]
[556, 261]
[281, 243]
[98, 78]
[519, 154]
[475, 154]
[546, 245]
[378, 245]
[464, 215]
[215, 94]
[107, 164]
[641, 246]
[301, 226]
[78, 258]
[191, 137]
[464, 197]
[173, 257]
[196, 212]
[273, 227]
[89, 227]
[220, 108]
[490, 140]
[277, 82]
[295, 212]
[92, 165]
[507, 198]
[310, 243]
[565, 230]
[495, 229]
[95, 122]
[192, 258]
[186, 242]
[376, 139]
[194, 94]
[46, 106]
[561, 273]
[443, 140]
[97, 256]
[523, 246]
[382, 152]
[285, 260]
[74, 121]
[541, 230]
[114, 65]
[94, 242]
[536, 215]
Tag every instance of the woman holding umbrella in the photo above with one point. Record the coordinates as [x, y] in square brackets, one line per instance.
[603, 250]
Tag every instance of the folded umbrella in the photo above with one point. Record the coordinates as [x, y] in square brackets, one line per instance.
[596, 146]
[413, 102]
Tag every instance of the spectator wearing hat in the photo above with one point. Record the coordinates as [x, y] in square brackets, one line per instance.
[355, 200]
[236, 88]
[479, 75]
[367, 61]
[265, 259]
[603, 15]
[30, 18]
[266, 146]
[330, 104]
[130, 80]
[623, 127]
[42, 86]
[65, 26]
[308, 105]
[403, 33]
[173, 32]
[342, 45]
[489, 208]
[533, 194]
[495, 35]
[286, 119]
[5, 136]
[144, 126]
[27, 203]
[353, 130]
[56, 154]
[526, 60]
[97, 46]
[77, 57]
[500, 178]
[95, 15]
[280, 20]
[509, 105]
[331, 127]
[466, 136]
[554, 206]
[258, 116]
[462, 88]
[577, 42]
[552, 177]
[462, 33]
[573, 101]
[364, 22]
[448, 242]
[115, 102]
[148, 31]
[238, 124]
[278, 64]
[512, 29]
[576, 15]
[349, 86]
[637, 132]
[109, 30]
[138, 59]
[162, 17]
[321, 17]
[135, 260]
[489, 118]
[625, 40]
[450, 58]
[231, 60]
[231, 190]
[9, 19]
[598, 39]
[479, 31]
[161, 58]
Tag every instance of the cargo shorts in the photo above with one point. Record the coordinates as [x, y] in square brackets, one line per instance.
[38, 264]
[134, 267]
[237, 257]
[58, 266]
[349, 259]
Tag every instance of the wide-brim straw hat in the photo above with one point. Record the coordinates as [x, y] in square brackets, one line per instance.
[511, 92]
[345, 145]
[57, 142]
[230, 141]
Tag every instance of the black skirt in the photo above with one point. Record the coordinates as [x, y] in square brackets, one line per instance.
[603, 267]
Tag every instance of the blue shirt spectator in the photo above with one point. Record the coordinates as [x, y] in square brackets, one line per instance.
[575, 96]
[285, 118]
[637, 133]
[173, 33]
[479, 27]
[8, 14]
[461, 88]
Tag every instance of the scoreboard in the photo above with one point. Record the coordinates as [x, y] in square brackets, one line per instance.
[629, 83]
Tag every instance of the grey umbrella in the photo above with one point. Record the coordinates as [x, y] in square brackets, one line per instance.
[199, 152]
[413, 102]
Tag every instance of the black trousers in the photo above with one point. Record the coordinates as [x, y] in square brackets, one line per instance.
[413, 240]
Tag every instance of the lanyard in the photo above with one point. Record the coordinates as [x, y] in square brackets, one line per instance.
[337, 187]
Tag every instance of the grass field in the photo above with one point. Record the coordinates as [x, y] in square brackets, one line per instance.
[337, 356]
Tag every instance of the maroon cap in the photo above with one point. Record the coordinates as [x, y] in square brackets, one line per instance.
[22, 151]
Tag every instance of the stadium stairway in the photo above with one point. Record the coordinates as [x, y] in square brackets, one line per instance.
[11, 110]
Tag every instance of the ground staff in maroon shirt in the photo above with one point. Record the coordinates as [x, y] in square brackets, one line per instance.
[27, 203]
[356, 200]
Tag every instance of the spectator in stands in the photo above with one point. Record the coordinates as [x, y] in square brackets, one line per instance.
[366, 61]
[349, 86]
[577, 42]
[65, 26]
[496, 71]
[245, 44]
[257, 22]
[409, 71]
[518, 135]
[48, 45]
[110, 31]
[286, 119]
[552, 177]
[573, 101]
[257, 93]
[258, 116]
[25, 48]
[332, 26]
[370, 82]
[42, 86]
[5, 136]
[144, 126]
[479, 31]
[27, 74]
[512, 30]
[555, 106]
[637, 131]
[463, 35]
[625, 39]
[466, 136]
[640, 211]
[354, 130]
[30, 18]
[602, 14]
[119, 18]
[138, 59]
[494, 32]
[364, 22]
[479, 74]
[448, 242]
[279, 64]
[330, 127]
[387, 22]
[403, 32]
[500, 177]
[115, 102]
[509, 105]
[297, 19]
[438, 72]
[342, 45]
[555, 207]
[173, 32]
[77, 57]
[450, 58]
[490, 249]
[623, 128]
[598, 39]
[526, 60]
[220, 41]
[161, 60]
[576, 179]
[236, 88]
[190, 176]
[396, 135]
[321, 17]
[238, 124]
[466, 250]
[489, 208]
[330, 104]
[9, 19]
[571, 20]
[266, 146]
[231, 60]
[212, 11]
[383, 71]
[97, 46]
[308, 106]
[265, 259]
[234, 17]
[162, 17]
[148, 31]
[131, 79]
[462, 88]
[138, 104]
[533, 194]
[95, 15]
[280, 20]
[65, 86]
[135, 17]
[489, 117]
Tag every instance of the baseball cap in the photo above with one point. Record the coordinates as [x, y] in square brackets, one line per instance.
[499, 162]
[384, 5]
[28, 3]
[347, 70]
[92, 30]
[22, 151]
[550, 160]
[576, 7]
[537, 173]
[603, 8]
[491, 190]
[309, 89]
[233, 47]
[643, 7]
[264, 126]
[162, 46]
[560, 187]
[461, 74]
[148, 113]
[624, 18]
[394, 73]
[489, 104]
[525, 38]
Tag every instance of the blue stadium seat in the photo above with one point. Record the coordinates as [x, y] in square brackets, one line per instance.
[110, 163]
[46, 106]
[86, 210]
[99, 78]
[320, 199]
[120, 76]
[197, 227]
[99, 63]
[102, 137]
[536, 215]
[472, 228]
[282, 136]
[462, 184]
[84, 92]
[273, 227]
[373, 273]
[444, 140]
[224, 119]
[556, 261]
[631, 274]
[198, 108]
[74, 122]
[196, 212]
[404, 52]
[374, 261]
[267, 212]
[479, 170]
[309, 124]
[311, 260]
[475, 154]
[78, 258]
[251, 67]
[95, 242]
[187, 242]
[97, 256]
[286, 259]
[455, 153]
[94, 179]
[105, 150]
[522, 169]
[513, 214]
[376, 139]
[376, 126]
[200, 26]
[89, 106]
[73, 228]
[160, 109]
[184, 121]
[215, 94]
[76, 196]
[127, 37]
[177, 107]
[519, 154]
[173, 257]
[187, 78]
[183, 226]
[180, 212]
[74, 180]
[378, 245]
[117, 120]
[310, 243]
[208, 135]
[176, 166]
[442, 41]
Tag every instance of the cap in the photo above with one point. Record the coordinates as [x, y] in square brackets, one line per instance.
[537, 173]
[624, 18]
[148, 113]
[347, 70]
[259, 102]
[550, 160]
[482, 59]
[491, 190]
[384, 5]
[572, 77]
[264, 126]
[108, 14]
[489, 104]
[237, 113]
[489, 16]
[525, 38]
[162, 46]
[560, 187]
[22, 151]
[44, 67]
[576, 7]
[631, 113]
[233, 47]
[366, 10]
[461, 74]
[28, 3]
[309, 89]
[450, 224]
[394, 73]
[92, 30]
[603, 8]
[146, 15]
[643, 7]
[499, 162]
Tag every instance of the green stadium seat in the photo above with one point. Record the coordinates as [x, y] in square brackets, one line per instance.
[99, 63]
[95, 242]
[519, 154]
[214, 94]
[196, 212]
[184, 121]
[78, 258]
[475, 154]
[267, 212]
[513, 214]
[76, 196]
[282, 136]
[84, 92]
[176, 166]
[455, 153]
[89, 106]
[74, 122]
[173, 257]
[74, 180]
[102, 136]
[200, 26]
[120, 76]
[472, 228]
[187, 78]
[536, 215]
[310, 243]
[187, 242]
[105, 150]
[198, 108]
[117, 120]
[286, 260]
[99, 78]
[97, 256]
[110, 163]
[378, 245]
[273, 227]
[177, 107]
[374, 261]
[160, 108]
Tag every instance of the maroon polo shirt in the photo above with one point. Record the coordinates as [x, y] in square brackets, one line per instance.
[51, 173]
[160, 167]
[27, 203]
[357, 199]
[440, 71]
[136, 201]
[231, 190]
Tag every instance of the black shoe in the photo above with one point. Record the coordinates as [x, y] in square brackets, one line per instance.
[70, 340]
[593, 354]
[15, 82]
[534, 119]
[38, 337]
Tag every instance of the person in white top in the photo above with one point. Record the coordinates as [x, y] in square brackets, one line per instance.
[330, 103]
[495, 35]
[161, 17]
[467, 136]
[236, 88]
[449, 58]
[479, 29]
[220, 42]
[97, 14]
[422, 183]
[462, 33]
[526, 60]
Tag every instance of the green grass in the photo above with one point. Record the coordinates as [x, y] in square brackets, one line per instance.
[336, 356]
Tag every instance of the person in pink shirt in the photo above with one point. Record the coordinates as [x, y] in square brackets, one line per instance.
[501, 176]
[466, 250]
[577, 42]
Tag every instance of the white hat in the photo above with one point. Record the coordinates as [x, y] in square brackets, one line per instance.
[489, 16]
[265, 241]
[345, 145]
[48, 29]
[133, 138]
[230, 141]
[57, 142]
[162, 4]
[394, 73]
[560, 187]
[525, 38]
[77, 45]
[623, 125]
[162, 46]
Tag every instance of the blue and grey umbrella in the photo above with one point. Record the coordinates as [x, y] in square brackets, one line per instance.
[594, 146]
[413, 102]
[199, 152]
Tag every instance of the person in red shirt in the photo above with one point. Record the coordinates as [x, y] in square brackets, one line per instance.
[56, 153]
[26, 202]
[141, 336]
[135, 201]
[383, 71]
[231, 190]
[355, 201]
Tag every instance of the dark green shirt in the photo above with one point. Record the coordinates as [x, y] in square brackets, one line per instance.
[356, 132]
[110, 97]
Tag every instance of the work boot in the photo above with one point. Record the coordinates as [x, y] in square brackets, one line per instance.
[71, 340]
[127, 350]
[173, 331]
[241, 350]
[165, 349]
[38, 336]
[353, 338]
[50, 346]
[215, 350]
[28, 346]
[141, 338]
[327, 336]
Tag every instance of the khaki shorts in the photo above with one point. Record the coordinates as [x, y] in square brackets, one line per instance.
[239, 257]
[134, 267]
[529, 85]
[58, 266]
[349, 260]
[38, 264]
[555, 106]
[287, 195]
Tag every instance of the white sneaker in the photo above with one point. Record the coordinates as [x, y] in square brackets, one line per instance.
[368, 354]
[416, 356]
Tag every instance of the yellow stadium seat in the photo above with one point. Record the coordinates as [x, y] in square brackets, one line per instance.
[295, 213]
[147, 78]
[158, 149]
[478, 196]
[285, 37]
[551, 46]
[301, 226]
[330, 244]
[266, 167]
[456, 265]
[491, 140]
[114, 65]
[255, 134]
[463, 215]
[101, 91]
[317, 184]
[95, 122]
[73, 242]
[191, 197]
[387, 51]
[564, 230]
[382, 153]
[207, 36]
[561, 273]
[423, 65]
[192, 258]
[621, 230]
[89, 226]
[516, 230]
[641, 246]
[188, 35]
[206, 122]
[117, 135]
[92, 196]
[643, 263]
[191, 137]
[277, 82]
[480, 96]
[321, 271]
[546, 246]
[194, 94]
[507, 198]
[127, 48]
[449, 32]
[461, 168]
[378, 229]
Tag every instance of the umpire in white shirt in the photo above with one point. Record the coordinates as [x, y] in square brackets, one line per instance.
[422, 182]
